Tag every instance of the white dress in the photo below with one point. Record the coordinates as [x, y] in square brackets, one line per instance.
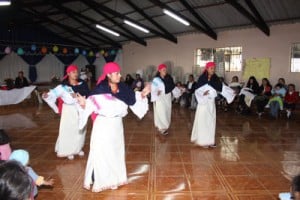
[70, 139]
[162, 105]
[106, 158]
[204, 128]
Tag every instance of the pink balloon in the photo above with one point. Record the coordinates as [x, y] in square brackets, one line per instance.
[7, 50]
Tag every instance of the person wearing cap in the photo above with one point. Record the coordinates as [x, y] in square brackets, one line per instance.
[108, 104]
[70, 139]
[161, 96]
[22, 156]
[204, 128]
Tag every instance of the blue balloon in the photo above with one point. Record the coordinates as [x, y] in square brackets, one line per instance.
[84, 52]
[76, 51]
[33, 47]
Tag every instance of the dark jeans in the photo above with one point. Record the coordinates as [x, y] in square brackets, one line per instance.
[261, 101]
[274, 108]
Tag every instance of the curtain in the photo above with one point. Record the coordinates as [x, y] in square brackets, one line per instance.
[91, 59]
[32, 59]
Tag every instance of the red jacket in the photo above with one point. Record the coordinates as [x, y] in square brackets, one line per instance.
[291, 98]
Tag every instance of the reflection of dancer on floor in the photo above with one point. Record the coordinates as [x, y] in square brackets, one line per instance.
[109, 101]
[70, 140]
[161, 90]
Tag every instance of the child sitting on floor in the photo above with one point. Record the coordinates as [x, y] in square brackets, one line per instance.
[5, 149]
[290, 100]
[22, 156]
[295, 190]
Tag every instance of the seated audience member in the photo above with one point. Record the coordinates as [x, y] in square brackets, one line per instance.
[138, 83]
[21, 81]
[129, 80]
[22, 156]
[83, 75]
[220, 100]
[177, 93]
[15, 183]
[5, 149]
[190, 89]
[294, 191]
[247, 94]
[282, 82]
[290, 100]
[262, 99]
[235, 84]
[276, 101]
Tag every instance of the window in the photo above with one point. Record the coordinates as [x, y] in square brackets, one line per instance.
[229, 57]
[295, 58]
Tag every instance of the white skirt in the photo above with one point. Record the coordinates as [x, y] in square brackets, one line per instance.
[70, 140]
[107, 155]
[162, 109]
[204, 128]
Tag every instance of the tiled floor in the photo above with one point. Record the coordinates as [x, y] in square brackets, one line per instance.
[253, 160]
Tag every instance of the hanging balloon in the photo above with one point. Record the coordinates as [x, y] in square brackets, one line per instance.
[44, 50]
[20, 51]
[105, 54]
[65, 50]
[7, 50]
[33, 47]
[98, 55]
[84, 52]
[55, 49]
[76, 51]
[120, 51]
[91, 54]
[102, 52]
[112, 52]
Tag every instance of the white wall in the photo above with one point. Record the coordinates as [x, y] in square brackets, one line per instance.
[255, 45]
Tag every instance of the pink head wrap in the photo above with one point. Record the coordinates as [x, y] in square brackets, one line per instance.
[209, 65]
[70, 68]
[161, 66]
[108, 68]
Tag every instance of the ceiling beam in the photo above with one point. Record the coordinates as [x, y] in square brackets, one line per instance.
[93, 21]
[70, 13]
[98, 8]
[141, 12]
[198, 17]
[193, 24]
[121, 16]
[75, 32]
[259, 18]
[259, 24]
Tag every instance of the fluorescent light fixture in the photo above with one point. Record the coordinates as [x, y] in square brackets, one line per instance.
[136, 26]
[5, 3]
[176, 17]
[107, 30]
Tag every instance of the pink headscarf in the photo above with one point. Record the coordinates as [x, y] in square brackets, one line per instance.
[161, 66]
[108, 68]
[209, 65]
[70, 68]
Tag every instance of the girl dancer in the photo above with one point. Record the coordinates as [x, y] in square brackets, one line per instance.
[71, 139]
[109, 102]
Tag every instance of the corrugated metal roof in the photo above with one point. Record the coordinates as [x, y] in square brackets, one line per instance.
[218, 14]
